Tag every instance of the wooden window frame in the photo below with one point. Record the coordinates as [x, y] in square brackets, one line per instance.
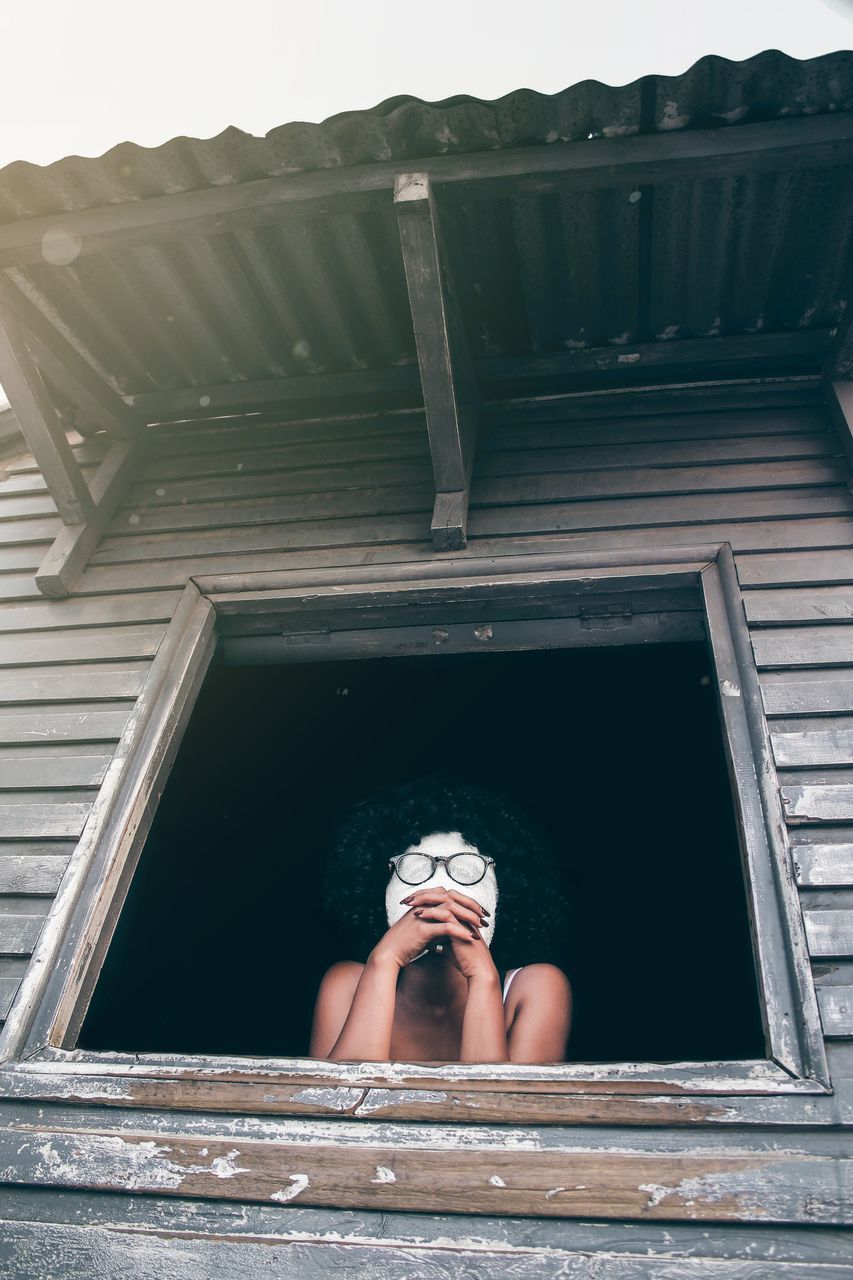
[359, 609]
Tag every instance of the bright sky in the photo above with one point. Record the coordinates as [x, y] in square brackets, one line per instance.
[79, 77]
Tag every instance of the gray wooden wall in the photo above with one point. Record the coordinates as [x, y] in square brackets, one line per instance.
[770, 480]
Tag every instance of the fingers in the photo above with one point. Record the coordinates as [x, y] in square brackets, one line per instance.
[444, 915]
[438, 894]
[449, 929]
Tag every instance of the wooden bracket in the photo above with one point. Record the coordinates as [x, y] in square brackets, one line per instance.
[66, 368]
[85, 509]
[448, 381]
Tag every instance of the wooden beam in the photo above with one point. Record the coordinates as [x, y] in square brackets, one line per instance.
[70, 552]
[66, 368]
[839, 396]
[451, 399]
[680, 155]
[686, 359]
[42, 430]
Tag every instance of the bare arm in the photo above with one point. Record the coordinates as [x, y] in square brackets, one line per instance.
[541, 999]
[542, 1015]
[354, 1012]
[484, 1036]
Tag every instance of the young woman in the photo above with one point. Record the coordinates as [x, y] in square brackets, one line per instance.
[436, 850]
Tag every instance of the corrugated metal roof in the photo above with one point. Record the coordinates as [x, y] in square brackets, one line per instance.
[537, 273]
[715, 91]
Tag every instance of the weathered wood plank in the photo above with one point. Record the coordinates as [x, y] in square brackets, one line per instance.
[829, 933]
[83, 645]
[94, 724]
[691, 1248]
[823, 864]
[803, 692]
[818, 603]
[37, 822]
[31, 532]
[19, 934]
[34, 876]
[445, 1102]
[579, 516]
[182, 450]
[799, 353]
[141, 1250]
[825, 803]
[812, 747]
[162, 573]
[45, 615]
[789, 569]
[488, 492]
[806, 646]
[8, 991]
[101, 683]
[484, 1173]
[836, 1010]
[43, 769]
[297, 469]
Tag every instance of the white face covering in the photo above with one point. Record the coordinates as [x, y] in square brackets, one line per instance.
[442, 844]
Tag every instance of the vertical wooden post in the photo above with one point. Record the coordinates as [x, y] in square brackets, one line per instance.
[451, 400]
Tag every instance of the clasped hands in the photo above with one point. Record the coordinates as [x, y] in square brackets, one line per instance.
[440, 913]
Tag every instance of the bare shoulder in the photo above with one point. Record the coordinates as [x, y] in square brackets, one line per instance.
[341, 977]
[542, 981]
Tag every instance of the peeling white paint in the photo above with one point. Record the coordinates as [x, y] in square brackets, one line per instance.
[300, 1182]
[384, 1174]
[380, 1100]
[225, 1166]
[729, 689]
[555, 1191]
[497, 1181]
[332, 1099]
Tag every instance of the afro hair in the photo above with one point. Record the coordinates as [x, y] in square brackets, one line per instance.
[531, 921]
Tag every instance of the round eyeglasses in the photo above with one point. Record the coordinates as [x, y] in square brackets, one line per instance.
[464, 868]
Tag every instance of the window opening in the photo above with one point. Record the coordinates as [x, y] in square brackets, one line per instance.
[618, 752]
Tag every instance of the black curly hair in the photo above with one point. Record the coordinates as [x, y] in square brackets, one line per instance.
[532, 913]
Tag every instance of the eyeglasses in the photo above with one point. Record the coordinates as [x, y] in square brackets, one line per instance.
[464, 868]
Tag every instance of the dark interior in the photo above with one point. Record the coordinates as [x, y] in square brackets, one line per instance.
[618, 751]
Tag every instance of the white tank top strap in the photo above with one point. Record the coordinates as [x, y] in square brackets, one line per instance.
[508, 981]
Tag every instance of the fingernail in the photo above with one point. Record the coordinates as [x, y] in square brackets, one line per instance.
[418, 911]
[409, 899]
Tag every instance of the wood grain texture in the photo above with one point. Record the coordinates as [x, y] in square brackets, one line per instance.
[829, 933]
[483, 1173]
[836, 1010]
[185, 1251]
[823, 864]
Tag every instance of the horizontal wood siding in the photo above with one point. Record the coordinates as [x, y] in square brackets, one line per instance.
[264, 496]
